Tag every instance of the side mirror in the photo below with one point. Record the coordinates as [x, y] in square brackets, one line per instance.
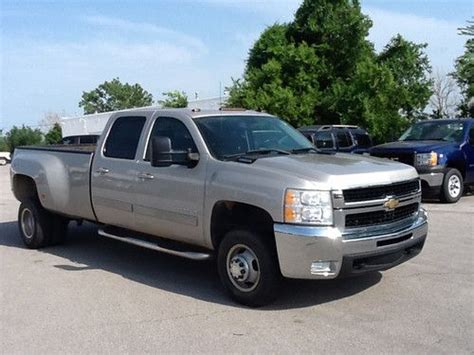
[162, 154]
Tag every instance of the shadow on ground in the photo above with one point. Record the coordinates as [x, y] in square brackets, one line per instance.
[86, 250]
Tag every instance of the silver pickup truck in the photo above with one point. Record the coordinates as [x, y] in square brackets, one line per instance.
[241, 186]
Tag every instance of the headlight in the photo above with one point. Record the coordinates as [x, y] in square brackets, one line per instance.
[427, 159]
[308, 207]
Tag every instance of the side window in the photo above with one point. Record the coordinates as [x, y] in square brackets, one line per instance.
[323, 140]
[88, 139]
[123, 138]
[471, 136]
[176, 131]
[343, 139]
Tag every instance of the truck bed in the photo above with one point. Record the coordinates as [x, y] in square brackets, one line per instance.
[62, 176]
[66, 148]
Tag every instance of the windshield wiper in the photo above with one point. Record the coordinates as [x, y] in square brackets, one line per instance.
[305, 150]
[255, 152]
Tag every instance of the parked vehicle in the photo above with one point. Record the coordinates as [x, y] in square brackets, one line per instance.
[442, 151]
[241, 186]
[340, 138]
[81, 139]
[5, 158]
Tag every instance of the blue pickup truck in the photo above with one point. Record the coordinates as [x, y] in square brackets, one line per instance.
[442, 151]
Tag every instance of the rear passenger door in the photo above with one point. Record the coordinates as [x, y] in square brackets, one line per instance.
[114, 172]
[169, 200]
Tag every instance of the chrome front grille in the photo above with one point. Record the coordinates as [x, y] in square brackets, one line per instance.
[370, 210]
[381, 192]
[374, 218]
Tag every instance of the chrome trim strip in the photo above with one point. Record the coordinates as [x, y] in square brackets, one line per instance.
[306, 231]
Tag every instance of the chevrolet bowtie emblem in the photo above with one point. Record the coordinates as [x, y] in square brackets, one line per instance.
[391, 203]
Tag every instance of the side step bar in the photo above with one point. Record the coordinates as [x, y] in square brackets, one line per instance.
[149, 245]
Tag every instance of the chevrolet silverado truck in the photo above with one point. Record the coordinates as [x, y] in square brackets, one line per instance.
[442, 151]
[241, 186]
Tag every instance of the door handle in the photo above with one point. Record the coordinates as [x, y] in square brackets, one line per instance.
[146, 176]
[102, 171]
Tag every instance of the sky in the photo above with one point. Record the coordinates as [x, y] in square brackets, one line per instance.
[52, 51]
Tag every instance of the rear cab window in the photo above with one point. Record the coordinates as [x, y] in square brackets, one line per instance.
[123, 138]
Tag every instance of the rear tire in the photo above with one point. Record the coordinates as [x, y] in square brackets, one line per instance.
[453, 186]
[248, 268]
[3, 161]
[38, 227]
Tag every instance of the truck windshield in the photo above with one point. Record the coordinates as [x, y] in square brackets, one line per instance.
[229, 136]
[437, 131]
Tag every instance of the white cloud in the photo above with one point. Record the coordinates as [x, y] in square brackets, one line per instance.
[117, 25]
[444, 44]
[51, 75]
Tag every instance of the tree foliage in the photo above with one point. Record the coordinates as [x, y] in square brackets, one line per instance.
[3, 142]
[174, 99]
[321, 69]
[24, 135]
[464, 73]
[114, 95]
[54, 135]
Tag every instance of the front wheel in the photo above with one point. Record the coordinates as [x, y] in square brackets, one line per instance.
[3, 161]
[248, 268]
[453, 186]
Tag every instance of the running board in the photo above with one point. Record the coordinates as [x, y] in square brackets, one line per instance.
[154, 246]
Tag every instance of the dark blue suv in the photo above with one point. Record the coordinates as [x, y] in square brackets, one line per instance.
[442, 151]
[338, 138]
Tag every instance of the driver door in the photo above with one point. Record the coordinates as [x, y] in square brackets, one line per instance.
[169, 200]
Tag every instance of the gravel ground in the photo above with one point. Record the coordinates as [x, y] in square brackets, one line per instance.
[94, 295]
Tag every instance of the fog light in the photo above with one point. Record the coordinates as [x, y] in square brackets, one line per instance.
[321, 268]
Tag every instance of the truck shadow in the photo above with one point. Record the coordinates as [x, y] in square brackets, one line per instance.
[84, 250]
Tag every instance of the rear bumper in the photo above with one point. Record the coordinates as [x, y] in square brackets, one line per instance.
[302, 250]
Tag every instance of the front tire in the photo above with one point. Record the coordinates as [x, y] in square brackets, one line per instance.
[453, 186]
[3, 161]
[38, 227]
[248, 268]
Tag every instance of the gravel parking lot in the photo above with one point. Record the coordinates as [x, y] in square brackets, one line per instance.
[95, 295]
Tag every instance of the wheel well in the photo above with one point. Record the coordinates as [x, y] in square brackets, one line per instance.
[228, 215]
[24, 188]
[459, 166]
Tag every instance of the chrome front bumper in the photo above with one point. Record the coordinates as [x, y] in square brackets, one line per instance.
[301, 248]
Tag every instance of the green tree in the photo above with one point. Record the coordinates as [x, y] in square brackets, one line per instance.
[24, 135]
[464, 73]
[113, 95]
[320, 68]
[54, 135]
[174, 99]
[3, 142]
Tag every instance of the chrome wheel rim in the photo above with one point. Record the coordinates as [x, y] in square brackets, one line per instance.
[454, 186]
[243, 268]
[27, 223]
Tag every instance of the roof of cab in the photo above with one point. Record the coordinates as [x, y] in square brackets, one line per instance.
[197, 113]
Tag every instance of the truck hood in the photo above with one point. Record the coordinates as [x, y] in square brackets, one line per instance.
[338, 171]
[412, 146]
